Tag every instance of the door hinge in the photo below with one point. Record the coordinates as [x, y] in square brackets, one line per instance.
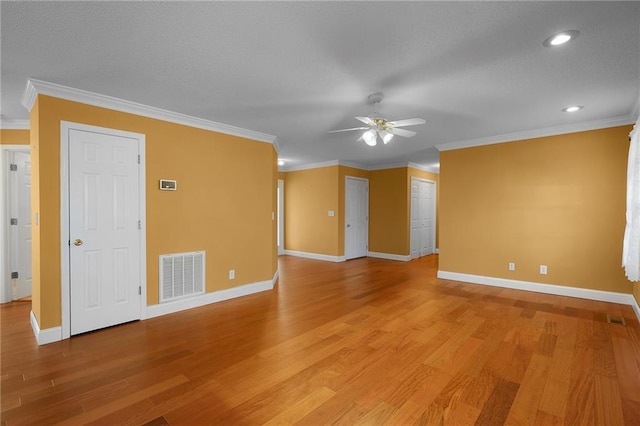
[139, 224]
[138, 158]
[139, 290]
[14, 221]
[13, 167]
[14, 275]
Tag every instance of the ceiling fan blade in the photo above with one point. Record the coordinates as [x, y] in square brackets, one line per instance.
[402, 132]
[407, 122]
[366, 120]
[348, 130]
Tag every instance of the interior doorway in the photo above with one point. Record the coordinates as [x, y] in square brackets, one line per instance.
[15, 264]
[356, 217]
[280, 217]
[423, 217]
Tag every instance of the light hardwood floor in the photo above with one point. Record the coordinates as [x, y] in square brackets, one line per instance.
[367, 341]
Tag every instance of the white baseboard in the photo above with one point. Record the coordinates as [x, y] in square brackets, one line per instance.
[48, 335]
[390, 256]
[206, 299]
[636, 307]
[315, 256]
[558, 290]
[274, 280]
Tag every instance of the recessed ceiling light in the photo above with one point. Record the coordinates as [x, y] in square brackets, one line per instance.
[281, 162]
[573, 108]
[561, 38]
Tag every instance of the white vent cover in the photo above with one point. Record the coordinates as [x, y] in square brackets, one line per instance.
[181, 275]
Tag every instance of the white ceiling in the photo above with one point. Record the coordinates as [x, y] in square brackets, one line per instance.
[475, 71]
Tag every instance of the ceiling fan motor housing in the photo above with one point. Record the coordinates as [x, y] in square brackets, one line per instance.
[376, 97]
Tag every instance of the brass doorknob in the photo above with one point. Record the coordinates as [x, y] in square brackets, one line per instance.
[77, 242]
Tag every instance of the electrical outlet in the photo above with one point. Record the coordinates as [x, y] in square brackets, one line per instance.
[232, 274]
[543, 269]
[512, 266]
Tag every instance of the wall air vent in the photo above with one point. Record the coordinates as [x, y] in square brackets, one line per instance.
[181, 275]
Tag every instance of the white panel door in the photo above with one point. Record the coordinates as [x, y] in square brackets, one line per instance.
[104, 240]
[422, 235]
[356, 208]
[426, 218]
[21, 211]
[415, 223]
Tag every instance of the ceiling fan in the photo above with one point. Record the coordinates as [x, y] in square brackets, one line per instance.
[377, 126]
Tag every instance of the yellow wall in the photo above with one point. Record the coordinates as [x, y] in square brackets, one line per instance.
[14, 137]
[309, 195]
[224, 203]
[558, 201]
[389, 211]
[36, 295]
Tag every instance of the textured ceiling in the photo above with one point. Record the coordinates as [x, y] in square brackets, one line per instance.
[296, 70]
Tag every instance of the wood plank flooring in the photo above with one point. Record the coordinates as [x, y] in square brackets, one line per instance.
[368, 341]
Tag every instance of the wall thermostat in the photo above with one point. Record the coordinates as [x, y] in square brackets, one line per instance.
[168, 185]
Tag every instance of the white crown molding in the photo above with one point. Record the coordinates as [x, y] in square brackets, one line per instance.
[310, 166]
[14, 124]
[635, 112]
[276, 145]
[37, 87]
[430, 169]
[558, 290]
[354, 165]
[387, 166]
[538, 133]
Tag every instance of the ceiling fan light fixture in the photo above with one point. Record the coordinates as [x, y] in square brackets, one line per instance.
[370, 137]
[386, 136]
[560, 38]
[573, 108]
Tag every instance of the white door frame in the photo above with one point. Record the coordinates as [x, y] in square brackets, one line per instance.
[345, 212]
[6, 152]
[65, 128]
[435, 189]
[281, 217]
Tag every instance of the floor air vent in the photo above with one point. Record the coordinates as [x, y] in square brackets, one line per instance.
[181, 275]
[614, 319]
